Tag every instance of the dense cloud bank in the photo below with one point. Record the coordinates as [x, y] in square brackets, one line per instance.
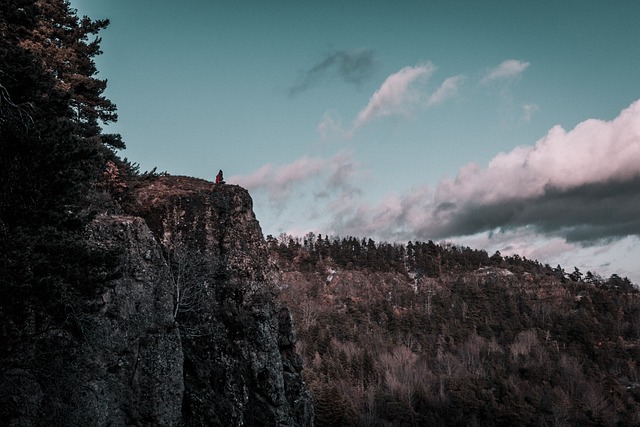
[582, 185]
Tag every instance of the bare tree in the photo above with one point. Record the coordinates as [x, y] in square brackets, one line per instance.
[193, 276]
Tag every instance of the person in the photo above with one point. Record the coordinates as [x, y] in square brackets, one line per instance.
[219, 178]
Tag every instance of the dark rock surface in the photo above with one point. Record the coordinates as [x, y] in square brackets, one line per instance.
[188, 334]
[133, 355]
[240, 367]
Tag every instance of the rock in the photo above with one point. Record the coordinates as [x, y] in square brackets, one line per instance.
[187, 334]
[132, 360]
[240, 363]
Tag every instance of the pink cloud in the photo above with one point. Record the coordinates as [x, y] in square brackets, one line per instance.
[595, 151]
[507, 69]
[399, 95]
[581, 185]
[447, 89]
[257, 179]
[527, 112]
[396, 95]
[279, 183]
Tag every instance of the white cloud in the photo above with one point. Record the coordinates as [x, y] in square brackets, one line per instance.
[527, 112]
[581, 185]
[506, 70]
[330, 127]
[566, 197]
[257, 179]
[399, 95]
[447, 89]
[279, 183]
[396, 96]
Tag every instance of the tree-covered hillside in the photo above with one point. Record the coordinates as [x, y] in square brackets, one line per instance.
[431, 334]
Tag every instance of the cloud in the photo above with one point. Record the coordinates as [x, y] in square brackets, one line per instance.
[257, 179]
[331, 127]
[396, 96]
[506, 70]
[527, 112]
[352, 67]
[581, 185]
[399, 95]
[333, 174]
[447, 89]
[523, 241]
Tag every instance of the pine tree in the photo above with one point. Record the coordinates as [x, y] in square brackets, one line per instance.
[52, 149]
[52, 153]
[62, 42]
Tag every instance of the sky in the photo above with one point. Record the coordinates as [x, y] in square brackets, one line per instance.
[509, 126]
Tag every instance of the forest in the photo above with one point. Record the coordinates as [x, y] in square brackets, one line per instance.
[436, 334]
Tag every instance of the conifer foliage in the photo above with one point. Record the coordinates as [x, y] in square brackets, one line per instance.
[53, 155]
[52, 148]
[428, 334]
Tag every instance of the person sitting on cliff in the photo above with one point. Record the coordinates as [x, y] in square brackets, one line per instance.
[219, 178]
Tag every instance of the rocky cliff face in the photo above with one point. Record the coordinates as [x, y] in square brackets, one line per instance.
[240, 365]
[132, 358]
[188, 333]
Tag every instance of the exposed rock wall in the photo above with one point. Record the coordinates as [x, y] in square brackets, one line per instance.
[117, 361]
[188, 334]
[240, 363]
[132, 356]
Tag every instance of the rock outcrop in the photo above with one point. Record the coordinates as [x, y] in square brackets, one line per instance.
[132, 357]
[240, 364]
[187, 334]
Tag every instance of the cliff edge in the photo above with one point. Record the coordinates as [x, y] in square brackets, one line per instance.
[184, 332]
[240, 364]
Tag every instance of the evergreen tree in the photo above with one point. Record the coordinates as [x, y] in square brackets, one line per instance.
[52, 155]
[62, 43]
[52, 150]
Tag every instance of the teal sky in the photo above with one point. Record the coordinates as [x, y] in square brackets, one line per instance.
[363, 118]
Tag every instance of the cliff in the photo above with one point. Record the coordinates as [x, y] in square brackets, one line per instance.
[240, 365]
[186, 333]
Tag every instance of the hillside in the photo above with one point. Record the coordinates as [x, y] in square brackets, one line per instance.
[440, 335]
